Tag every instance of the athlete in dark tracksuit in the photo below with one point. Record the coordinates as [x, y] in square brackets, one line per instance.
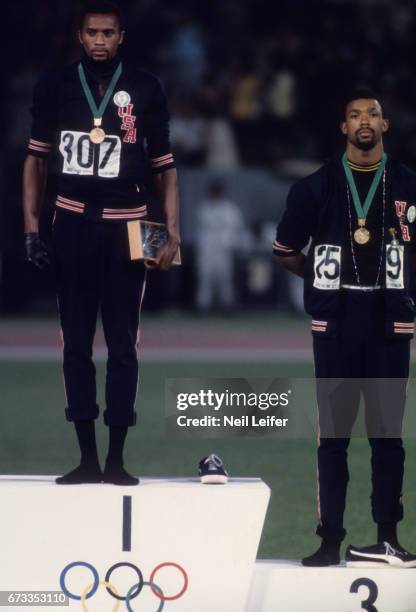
[357, 291]
[101, 185]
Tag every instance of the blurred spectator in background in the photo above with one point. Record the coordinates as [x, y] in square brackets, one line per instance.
[222, 152]
[188, 131]
[245, 96]
[259, 275]
[281, 95]
[220, 232]
[188, 54]
[246, 110]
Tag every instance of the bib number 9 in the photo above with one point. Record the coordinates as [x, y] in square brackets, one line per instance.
[327, 266]
[82, 157]
[394, 266]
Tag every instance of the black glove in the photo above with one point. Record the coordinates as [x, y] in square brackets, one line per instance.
[36, 252]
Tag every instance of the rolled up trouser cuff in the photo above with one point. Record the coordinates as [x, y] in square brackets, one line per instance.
[124, 420]
[331, 535]
[82, 413]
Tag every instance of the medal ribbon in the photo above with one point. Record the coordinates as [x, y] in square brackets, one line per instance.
[98, 111]
[362, 210]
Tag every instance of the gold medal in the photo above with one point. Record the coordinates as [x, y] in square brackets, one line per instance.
[97, 133]
[361, 235]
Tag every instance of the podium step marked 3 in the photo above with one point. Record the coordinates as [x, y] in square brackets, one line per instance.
[197, 543]
[287, 586]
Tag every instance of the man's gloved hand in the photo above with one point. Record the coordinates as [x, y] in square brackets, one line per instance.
[36, 252]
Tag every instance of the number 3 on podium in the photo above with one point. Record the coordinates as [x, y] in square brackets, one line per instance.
[367, 604]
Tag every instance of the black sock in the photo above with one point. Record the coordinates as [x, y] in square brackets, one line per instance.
[89, 470]
[114, 471]
[116, 445]
[387, 532]
[330, 546]
[86, 439]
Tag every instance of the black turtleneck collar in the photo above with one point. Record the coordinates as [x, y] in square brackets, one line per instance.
[101, 71]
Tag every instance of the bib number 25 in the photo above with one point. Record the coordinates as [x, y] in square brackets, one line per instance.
[82, 157]
[327, 266]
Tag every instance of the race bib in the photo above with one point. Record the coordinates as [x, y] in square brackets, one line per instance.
[82, 157]
[394, 266]
[327, 266]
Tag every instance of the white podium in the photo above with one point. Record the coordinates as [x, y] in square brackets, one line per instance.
[286, 586]
[197, 543]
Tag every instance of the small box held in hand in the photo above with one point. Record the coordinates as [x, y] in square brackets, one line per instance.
[145, 238]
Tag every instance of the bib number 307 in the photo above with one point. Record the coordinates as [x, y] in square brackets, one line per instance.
[81, 156]
[327, 266]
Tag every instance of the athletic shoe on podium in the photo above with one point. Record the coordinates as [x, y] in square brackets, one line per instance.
[212, 470]
[379, 555]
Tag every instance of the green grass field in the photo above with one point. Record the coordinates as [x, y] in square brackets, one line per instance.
[36, 439]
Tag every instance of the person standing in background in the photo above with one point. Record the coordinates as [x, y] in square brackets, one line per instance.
[220, 233]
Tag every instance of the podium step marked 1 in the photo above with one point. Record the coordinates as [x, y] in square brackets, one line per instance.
[286, 586]
[197, 543]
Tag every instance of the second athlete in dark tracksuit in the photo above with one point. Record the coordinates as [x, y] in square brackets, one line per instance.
[362, 321]
[100, 187]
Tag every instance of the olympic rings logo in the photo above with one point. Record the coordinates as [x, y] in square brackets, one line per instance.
[133, 591]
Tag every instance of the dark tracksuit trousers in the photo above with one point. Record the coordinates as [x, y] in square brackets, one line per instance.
[376, 368]
[93, 272]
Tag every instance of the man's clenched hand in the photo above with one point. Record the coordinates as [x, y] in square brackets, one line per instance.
[36, 252]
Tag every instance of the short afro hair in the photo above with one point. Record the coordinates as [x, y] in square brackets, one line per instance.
[362, 93]
[101, 7]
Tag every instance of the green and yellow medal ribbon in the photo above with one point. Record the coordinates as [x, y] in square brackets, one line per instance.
[362, 209]
[97, 135]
